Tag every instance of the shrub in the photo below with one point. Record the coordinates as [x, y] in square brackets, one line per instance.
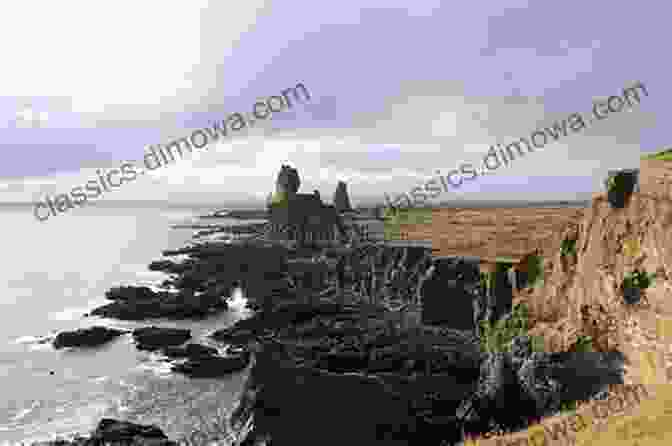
[483, 280]
[535, 269]
[583, 344]
[568, 406]
[487, 281]
[498, 336]
[638, 279]
[663, 155]
[568, 247]
[537, 343]
[619, 188]
[502, 267]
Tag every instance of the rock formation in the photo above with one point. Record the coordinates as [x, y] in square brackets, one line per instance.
[535, 383]
[341, 198]
[288, 180]
[449, 296]
[154, 338]
[409, 385]
[110, 431]
[86, 337]
[138, 303]
[583, 297]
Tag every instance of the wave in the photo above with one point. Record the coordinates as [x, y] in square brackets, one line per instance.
[34, 339]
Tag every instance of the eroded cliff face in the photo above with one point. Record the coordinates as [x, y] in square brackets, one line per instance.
[581, 294]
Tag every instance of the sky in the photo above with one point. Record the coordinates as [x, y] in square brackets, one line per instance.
[399, 91]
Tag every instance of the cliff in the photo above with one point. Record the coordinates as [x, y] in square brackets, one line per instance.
[380, 378]
[581, 294]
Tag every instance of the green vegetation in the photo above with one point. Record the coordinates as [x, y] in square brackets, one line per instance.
[619, 189]
[568, 248]
[665, 155]
[392, 232]
[487, 281]
[502, 266]
[583, 344]
[537, 343]
[279, 199]
[509, 260]
[497, 337]
[535, 270]
[394, 218]
[638, 279]
[567, 406]
[409, 216]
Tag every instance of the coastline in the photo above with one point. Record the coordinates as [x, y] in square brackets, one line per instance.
[420, 380]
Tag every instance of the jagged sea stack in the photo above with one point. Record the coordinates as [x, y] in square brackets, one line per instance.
[288, 180]
[341, 199]
[300, 217]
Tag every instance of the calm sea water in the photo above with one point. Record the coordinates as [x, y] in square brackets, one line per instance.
[55, 271]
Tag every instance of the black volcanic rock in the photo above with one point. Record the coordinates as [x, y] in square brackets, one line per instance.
[212, 366]
[288, 180]
[190, 350]
[115, 432]
[341, 198]
[153, 338]
[109, 430]
[535, 383]
[168, 266]
[139, 303]
[286, 406]
[128, 311]
[130, 293]
[86, 337]
[450, 293]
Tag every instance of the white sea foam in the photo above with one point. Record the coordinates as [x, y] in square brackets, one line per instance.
[34, 339]
[24, 412]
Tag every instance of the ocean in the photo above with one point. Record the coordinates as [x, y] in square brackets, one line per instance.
[55, 273]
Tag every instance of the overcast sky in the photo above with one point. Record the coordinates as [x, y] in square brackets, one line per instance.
[399, 91]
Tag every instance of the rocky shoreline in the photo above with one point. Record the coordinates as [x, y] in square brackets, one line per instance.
[390, 386]
[331, 360]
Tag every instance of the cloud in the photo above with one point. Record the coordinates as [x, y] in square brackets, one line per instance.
[387, 109]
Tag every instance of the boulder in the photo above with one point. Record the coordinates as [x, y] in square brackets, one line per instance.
[109, 431]
[191, 350]
[139, 303]
[234, 335]
[153, 338]
[169, 266]
[128, 311]
[86, 337]
[213, 366]
[131, 293]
